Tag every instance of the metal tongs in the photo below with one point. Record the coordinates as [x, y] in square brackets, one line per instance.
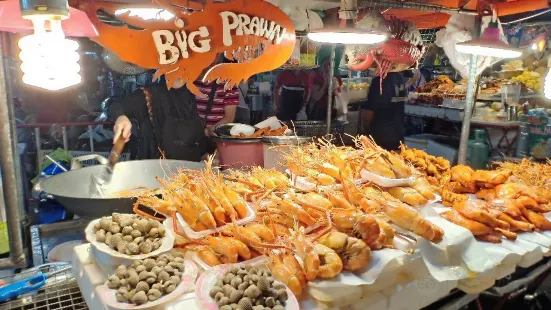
[100, 182]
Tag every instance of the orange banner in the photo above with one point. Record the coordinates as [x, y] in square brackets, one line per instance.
[183, 38]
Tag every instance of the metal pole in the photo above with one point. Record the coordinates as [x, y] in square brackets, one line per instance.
[65, 141]
[330, 88]
[469, 103]
[9, 161]
[91, 138]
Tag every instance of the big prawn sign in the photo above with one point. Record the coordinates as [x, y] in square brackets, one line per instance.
[181, 38]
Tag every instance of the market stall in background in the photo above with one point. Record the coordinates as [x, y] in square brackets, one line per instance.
[307, 213]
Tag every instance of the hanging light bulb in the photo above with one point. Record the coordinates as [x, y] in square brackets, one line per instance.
[489, 44]
[48, 59]
[348, 34]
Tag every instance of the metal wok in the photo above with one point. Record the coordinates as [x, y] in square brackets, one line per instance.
[72, 188]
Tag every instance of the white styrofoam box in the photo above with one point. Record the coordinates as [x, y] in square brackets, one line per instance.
[371, 301]
[88, 276]
[504, 270]
[403, 295]
[530, 259]
[336, 296]
[479, 283]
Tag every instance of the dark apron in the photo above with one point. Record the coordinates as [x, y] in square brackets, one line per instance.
[180, 139]
[292, 100]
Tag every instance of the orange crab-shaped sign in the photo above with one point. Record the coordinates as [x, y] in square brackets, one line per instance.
[181, 38]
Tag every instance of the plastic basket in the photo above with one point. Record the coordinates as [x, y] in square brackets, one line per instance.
[317, 128]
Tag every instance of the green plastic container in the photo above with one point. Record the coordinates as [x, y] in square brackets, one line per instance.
[478, 150]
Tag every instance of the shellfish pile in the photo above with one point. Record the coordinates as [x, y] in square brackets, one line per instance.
[249, 288]
[129, 234]
[147, 280]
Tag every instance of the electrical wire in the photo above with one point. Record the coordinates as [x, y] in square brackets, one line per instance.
[526, 18]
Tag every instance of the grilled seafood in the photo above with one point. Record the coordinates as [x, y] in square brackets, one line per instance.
[355, 254]
[476, 210]
[422, 186]
[408, 195]
[330, 262]
[490, 179]
[538, 220]
[475, 227]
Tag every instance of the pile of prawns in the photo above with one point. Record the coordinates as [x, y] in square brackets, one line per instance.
[506, 208]
[329, 230]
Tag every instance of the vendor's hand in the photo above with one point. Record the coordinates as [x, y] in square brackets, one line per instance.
[123, 127]
[209, 130]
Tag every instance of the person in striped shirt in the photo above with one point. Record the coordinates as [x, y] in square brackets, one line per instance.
[223, 108]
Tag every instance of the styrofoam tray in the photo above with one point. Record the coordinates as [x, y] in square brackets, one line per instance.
[192, 234]
[166, 245]
[107, 295]
[208, 278]
[385, 182]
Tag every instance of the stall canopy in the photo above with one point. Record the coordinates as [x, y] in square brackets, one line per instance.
[435, 13]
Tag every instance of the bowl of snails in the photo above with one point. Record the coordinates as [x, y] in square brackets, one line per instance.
[121, 238]
[241, 286]
[148, 283]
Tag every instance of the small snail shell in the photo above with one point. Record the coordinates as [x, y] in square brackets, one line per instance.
[245, 304]
[133, 248]
[122, 290]
[142, 286]
[116, 217]
[140, 298]
[130, 294]
[139, 240]
[169, 269]
[163, 276]
[282, 295]
[142, 226]
[115, 228]
[252, 292]
[263, 284]
[236, 281]
[218, 295]
[149, 264]
[140, 268]
[121, 297]
[123, 282]
[228, 277]
[174, 280]
[236, 296]
[114, 241]
[151, 280]
[242, 272]
[127, 238]
[126, 230]
[169, 289]
[156, 245]
[278, 286]
[108, 239]
[133, 277]
[121, 272]
[243, 286]
[135, 233]
[157, 269]
[161, 263]
[228, 289]
[272, 292]
[278, 307]
[121, 246]
[270, 302]
[179, 260]
[157, 286]
[100, 237]
[154, 294]
[223, 301]
[143, 274]
[146, 247]
[97, 227]
[154, 232]
[162, 231]
[113, 282]
[214, 290]
[105, 223]
[125, 221]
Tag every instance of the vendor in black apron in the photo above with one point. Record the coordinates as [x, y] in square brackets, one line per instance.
[291, 93]
[167, 122]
